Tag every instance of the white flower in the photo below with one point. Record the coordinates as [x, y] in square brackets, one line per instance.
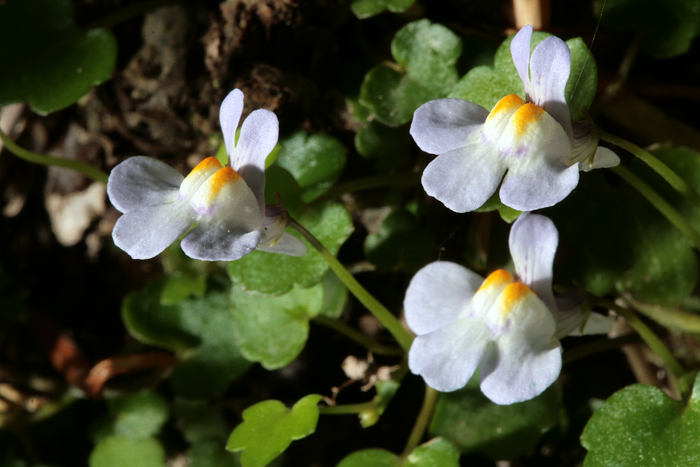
[532, 140]
[227, 204]
[507, 326]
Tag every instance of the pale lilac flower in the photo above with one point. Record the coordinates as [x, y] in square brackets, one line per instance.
[532, 140]
[226, 205]
[507, 326]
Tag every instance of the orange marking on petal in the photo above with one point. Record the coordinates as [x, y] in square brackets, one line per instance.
[512, 294]
[220, 179]
[207, 164]
[507, 104]
[527, 114]
[496, 278]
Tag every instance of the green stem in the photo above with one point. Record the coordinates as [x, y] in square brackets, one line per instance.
[651, 339]
[384, 316]
[668, 317]
[346, 408]
[357, 336]
[597, 346]
[126, 13]
[367, 183]
[680, 185]
[660, 204]
[80, 167]
[422, 421]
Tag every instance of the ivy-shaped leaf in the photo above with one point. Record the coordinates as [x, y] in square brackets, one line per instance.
[425, 54]
[367, 8]
[314, 161]
[487, 85]
[268, 428]
[667, 27]
[501, 431]
[200, 331]
[271, 273]
[640, 425]
[434, 453]
[50, 63]
[116, 451]
[401, 242]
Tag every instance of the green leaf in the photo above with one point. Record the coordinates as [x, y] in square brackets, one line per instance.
[640, 425]
[200, 331]
[401, 243]
[272, 330]
[426, 54]
[667, 27]
[139, 415]
[180, 285]
[437, 452]
[367, 8]
[200, 422]
[117, 451]
[271, 273]
[335, 295]
[501, 431]
[211, 453]
[314, 161]
[50, 63]
[641, 253]
[487, 85]
[268, 428]
[390, 146]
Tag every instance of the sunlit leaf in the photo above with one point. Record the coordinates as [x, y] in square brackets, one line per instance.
[117, 451]
[438, 452]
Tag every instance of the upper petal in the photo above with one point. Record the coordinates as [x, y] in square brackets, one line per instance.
[445, 124]
[229, 116]
[533, 242]
[437, 294]
[527, 358]
[448, 357]
[142, 181]
[144, 233]
[520, 51]
[550, 66]
[258, 138]
[464, 178]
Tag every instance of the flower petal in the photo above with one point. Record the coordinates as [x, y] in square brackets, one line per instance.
[197, 177]
[142, 181]
[286, 244]
[146, 232]
[541, 186]
[527, 358]
[533, 242]
[229, 116]
[219, 242]
[437, 294]
[463, 179]
[448, 357]
[258, 138]
[442, 125]
[520, 51]
[550, 67]
[603, 158]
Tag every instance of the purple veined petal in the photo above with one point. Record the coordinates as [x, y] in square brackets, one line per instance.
[463, 179]
[533, 243]
[526, 359]
[603, 158]
[286, 244]
[550, 67]
[442, 125]
[537, 149]
[146, 232]
[448, 357]
[219, 242]
[437, 294]
[142, 181]
[520, 51]
[229, 116]
[258, 138]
